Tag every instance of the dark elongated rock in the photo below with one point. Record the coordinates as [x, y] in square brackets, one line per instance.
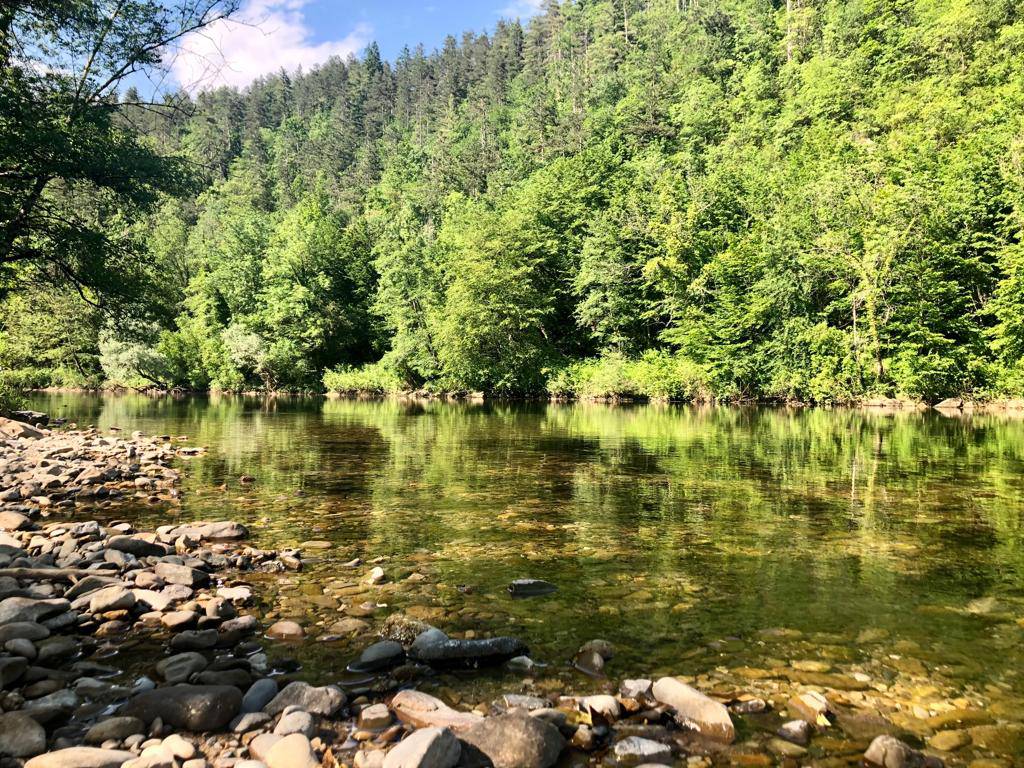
[531, 588]
[189, 707]
[436, 648]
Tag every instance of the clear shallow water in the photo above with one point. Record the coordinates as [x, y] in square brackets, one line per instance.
[677, 533]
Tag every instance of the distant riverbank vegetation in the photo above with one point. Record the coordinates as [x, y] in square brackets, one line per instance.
[814, 200]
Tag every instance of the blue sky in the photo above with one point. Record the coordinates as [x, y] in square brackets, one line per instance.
[293, 33]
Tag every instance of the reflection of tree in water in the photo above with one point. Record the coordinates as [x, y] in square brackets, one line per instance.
[657, 522]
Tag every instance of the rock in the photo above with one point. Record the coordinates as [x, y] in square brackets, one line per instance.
[179, 620]
[426, 748]
[318, 701]
[11, 668]
[634, 750]
[19, 646]
[114, 729]
[195, 640]
[375, 717]
[21, 736]
[58, 704]
[606, 707]
[181, 748]
[260, 746]
[531, 588]
[56, 649]
[208, 531]
[890, 752]
[14, 521]
[372, 758]
[434, 647]
[424, 711]
[637, 690]
[949, 741]
[180, 667]
[115, 598]
[17, 429]
[695, 710]
[796, 731]
[286, 630]
[27, 609]
[81, 757]
[812, 707]
[519, 701]
[133, 545]
[292, 751]
[23, 630]
[376, 576]
[515, 740]
[250, 721]
[188, 707]
[382, 655]
[259, 695]
[173, 573]
[295, 721]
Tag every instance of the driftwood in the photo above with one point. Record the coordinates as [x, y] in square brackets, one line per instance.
[49, 574]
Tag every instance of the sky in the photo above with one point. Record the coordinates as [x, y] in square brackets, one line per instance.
[273, 34]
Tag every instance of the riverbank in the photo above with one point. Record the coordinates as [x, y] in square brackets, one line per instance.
[220, 687]
[951, 406]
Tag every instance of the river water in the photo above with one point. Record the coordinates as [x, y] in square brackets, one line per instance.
[700, 541]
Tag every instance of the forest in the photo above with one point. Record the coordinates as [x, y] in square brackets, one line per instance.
[802, 200]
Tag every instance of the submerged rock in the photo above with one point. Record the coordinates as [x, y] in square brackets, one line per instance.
[531, 588]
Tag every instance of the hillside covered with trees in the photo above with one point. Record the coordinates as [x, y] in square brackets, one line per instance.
[797, 199]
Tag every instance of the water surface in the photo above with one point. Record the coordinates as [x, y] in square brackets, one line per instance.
[680, 534]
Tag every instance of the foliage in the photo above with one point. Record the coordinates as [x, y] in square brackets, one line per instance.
[817, 201]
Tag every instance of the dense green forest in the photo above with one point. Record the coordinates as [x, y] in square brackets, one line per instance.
[818, 200]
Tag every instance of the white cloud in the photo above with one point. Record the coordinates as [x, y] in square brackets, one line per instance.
[265, 36]
[521, 9]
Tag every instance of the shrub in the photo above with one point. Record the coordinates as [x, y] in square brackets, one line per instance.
[375, 378]
[656, 375]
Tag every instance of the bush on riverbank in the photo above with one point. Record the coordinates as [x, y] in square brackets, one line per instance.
[656, 375]
[374, 379]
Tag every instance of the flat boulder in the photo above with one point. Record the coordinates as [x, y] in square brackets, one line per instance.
[516, 740]
[180, 667]
[195, 708]
[173, 573]
[424, 711]
[692, 709]
[324, 701]
[19, 429]
[81, 757]
[434, 647]
[425, 748]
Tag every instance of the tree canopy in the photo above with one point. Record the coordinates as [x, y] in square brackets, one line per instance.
[819, 200]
